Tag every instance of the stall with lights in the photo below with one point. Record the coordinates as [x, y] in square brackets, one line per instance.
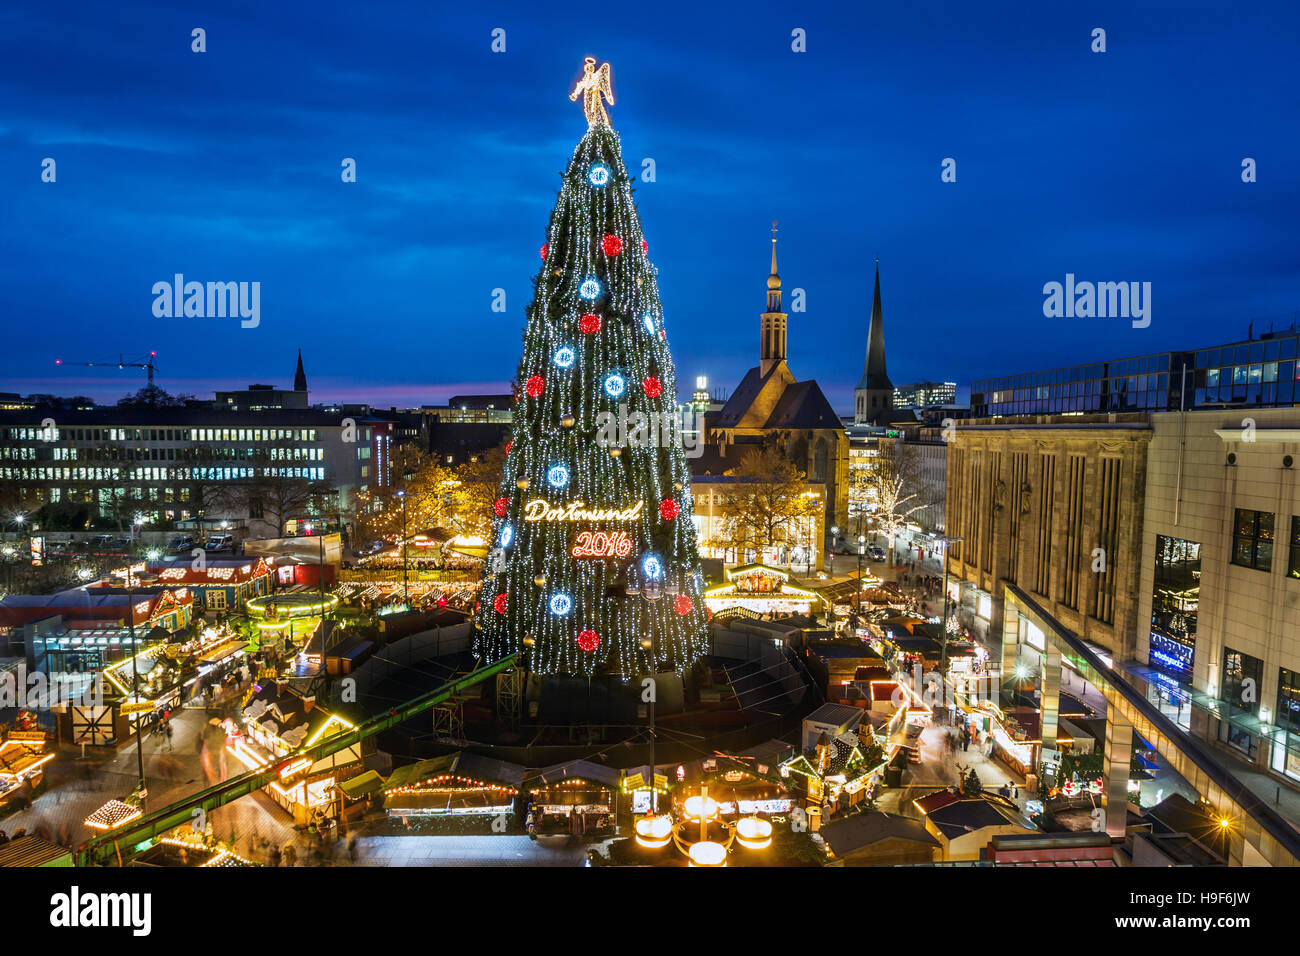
[185, 847]
[275, 726]
[456, 784]
[837, 772]
[574, 797]
[113, 815]
[221, 584]
[289, 620]
[23, 758]
[762, 590]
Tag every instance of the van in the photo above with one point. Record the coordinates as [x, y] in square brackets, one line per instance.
[180, 543]
[220, 542]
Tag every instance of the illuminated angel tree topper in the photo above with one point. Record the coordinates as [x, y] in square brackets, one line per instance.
[593, 567]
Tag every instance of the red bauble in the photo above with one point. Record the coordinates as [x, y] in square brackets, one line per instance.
[509, 445]
[611, 244]
[545, 247]
[589, 324]
[668, 509]
[588, 640]
[442, 601]
[500, 507]
[645, 246]
[653, 387]
[499, 603]
[683, 605]
[535, 386]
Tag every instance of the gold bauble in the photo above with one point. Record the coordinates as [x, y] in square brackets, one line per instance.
[615, 452]
[540, 580]
[568, 420]
[522, 484]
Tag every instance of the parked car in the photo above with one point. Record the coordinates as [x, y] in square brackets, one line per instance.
[876, 553]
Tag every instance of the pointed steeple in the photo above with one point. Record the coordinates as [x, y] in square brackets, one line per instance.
[772, 325]
[300, 377]
[874, 396]
[874, 375]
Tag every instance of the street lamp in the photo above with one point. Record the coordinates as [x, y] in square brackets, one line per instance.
[956, 539]
[135, 681]
[405, 597]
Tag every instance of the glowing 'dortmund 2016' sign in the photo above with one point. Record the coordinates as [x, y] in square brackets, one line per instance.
[539, 509]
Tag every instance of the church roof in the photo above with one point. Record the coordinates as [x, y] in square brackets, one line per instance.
[743, 397]
[803, 405]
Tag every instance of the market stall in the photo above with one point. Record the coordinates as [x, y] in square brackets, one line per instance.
[574, 797]
[22, 761]
[453, 784]
[762, 590]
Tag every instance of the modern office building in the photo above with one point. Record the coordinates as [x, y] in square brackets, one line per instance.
[925, 394]
[248, 470]
[1257, 373]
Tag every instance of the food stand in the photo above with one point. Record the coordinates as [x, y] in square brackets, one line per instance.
[574, 797]
[22, 762]
[452, 785]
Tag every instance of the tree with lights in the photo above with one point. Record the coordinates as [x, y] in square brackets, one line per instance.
[593, 567]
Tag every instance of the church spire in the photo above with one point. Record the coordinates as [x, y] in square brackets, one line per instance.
[300, 377]
[874, 396]
[873, 371]
[772, 323]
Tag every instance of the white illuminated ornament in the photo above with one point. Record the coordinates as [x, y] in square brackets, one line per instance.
[598, 175]
[561, 604]
[507, 535]
[589, 289]
[614, 384]
[564, 356]
[652, 567]
[558, 476]
[649, 321]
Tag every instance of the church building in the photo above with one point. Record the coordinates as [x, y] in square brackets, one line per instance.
[770, 404]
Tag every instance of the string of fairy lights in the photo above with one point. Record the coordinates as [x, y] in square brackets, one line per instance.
[595, 351]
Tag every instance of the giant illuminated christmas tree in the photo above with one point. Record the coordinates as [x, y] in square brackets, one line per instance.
[594, 567]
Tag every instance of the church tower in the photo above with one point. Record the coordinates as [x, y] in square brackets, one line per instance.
[771, 350]
[300, 377]
[873, 399]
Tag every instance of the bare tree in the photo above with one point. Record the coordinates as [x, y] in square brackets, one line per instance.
[769, 502]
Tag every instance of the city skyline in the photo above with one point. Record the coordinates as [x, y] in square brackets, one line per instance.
[235, 159]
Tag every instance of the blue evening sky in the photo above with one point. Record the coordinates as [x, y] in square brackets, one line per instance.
[1124, 165]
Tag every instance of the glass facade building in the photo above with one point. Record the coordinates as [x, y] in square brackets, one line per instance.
[1259, 373]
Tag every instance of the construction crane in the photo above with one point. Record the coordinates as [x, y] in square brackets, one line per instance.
[148, 365]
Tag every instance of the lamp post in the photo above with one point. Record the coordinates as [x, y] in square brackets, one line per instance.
[135, 681]
[405, 598]
[957, 539]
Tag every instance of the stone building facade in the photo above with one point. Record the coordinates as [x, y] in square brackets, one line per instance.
[1220, 580]
[1053, 505]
